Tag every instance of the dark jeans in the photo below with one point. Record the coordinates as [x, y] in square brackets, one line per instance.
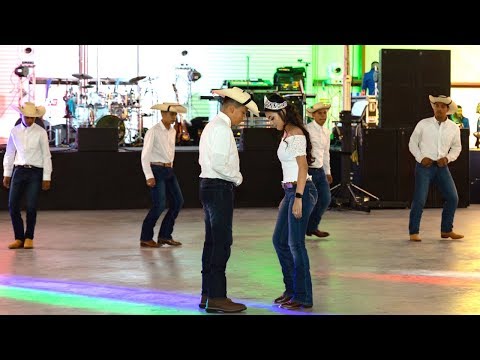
[324, 198]
[440, 176]
[289, 243]
[216, 196]
[26, 182]
[165, 189]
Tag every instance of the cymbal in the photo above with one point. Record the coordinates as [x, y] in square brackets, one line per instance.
[57, 81]
[135, 80]
[82, 76]
[107, 81]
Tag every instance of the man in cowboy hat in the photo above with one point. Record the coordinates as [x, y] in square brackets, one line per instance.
[157, 163]
[320, 168]
[220, 174]
[434, 143]
[27, 168]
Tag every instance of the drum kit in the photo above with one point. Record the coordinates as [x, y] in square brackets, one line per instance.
[106, 102]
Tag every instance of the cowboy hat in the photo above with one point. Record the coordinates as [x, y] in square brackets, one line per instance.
[172, 107]
[240, 96]
[452, 107]
[30, 110]
[318, 106]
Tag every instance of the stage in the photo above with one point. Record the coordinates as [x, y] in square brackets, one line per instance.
[115, 180]
[102, 180]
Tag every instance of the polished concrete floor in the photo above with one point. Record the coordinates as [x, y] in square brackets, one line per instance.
[90, 262]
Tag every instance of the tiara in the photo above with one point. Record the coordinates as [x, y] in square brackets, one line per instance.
[273, 105]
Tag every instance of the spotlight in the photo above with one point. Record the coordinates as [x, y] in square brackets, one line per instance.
[184, 52]
[335, 73]
[194, 75]
[27, 50]
[21, 71]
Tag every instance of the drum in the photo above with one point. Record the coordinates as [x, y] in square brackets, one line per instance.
[81, 116]
[119, 110]
[112, 121]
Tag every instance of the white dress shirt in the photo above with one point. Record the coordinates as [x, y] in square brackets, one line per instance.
[288, 150]
[158, 146]
[218, 153]
[28, 145]
[320, 139]
[435, 141]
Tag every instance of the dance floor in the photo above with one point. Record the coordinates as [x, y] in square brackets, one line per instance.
[90, 262]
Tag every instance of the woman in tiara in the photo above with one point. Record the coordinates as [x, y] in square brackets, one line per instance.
[294, 153]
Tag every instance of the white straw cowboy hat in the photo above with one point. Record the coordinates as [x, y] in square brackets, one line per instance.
[30, 110]
[452, 107]
[173, 107]
[240, 96]
[318, 106]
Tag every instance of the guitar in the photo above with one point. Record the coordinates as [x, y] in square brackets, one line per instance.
[180, 125]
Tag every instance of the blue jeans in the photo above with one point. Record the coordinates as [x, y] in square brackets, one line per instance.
[166, 188]
[324, 198]
[216, 196]
[440, 176]
[289, 243]
[26, 182]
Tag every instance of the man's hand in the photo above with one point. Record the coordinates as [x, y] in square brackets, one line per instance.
[329, 178]
[442, 162]
[46, 184]
[6, 181]
[151, 182]
[427, 162]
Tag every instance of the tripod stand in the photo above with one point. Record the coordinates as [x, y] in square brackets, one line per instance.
[346, 193]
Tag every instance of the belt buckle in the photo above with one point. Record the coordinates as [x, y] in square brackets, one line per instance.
[287, 185]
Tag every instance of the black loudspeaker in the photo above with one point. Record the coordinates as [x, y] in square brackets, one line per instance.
[474, 176]
[405, 166]
[97, 139]
[260, 139]
[460, 172]
[378, 163]
[407, 77]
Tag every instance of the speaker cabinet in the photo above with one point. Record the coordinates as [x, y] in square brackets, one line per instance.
[378, 164]
[260, 139]
[407, 77]
[97, 139]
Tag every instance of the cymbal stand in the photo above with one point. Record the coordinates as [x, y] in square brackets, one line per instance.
[139, 138]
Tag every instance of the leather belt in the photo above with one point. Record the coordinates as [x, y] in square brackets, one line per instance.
[290, 184]
[161, 164]
[28, 166]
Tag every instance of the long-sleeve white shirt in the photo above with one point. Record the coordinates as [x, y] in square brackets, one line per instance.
[435, 141]
[320, 139]
[158, 146]
[218, 153]
[28, 145]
